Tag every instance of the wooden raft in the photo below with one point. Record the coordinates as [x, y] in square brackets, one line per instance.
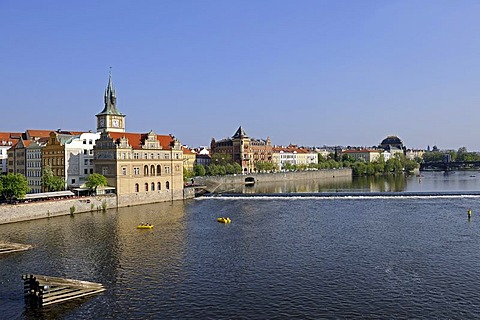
[6, 247]
[44, 290]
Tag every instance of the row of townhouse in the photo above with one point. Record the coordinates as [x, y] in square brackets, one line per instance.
[133, 163]
[68, 154]
[372, 155]
[294, 155]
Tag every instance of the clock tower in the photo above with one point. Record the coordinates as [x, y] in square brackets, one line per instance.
[110, 119]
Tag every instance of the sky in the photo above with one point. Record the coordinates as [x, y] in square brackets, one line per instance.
[302, 72]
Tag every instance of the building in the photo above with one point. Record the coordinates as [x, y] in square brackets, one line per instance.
[33, 161]
[189, 158]
[141, 167]
[293, 155]
[110, 119]
[244, 150]
[7, 141]
[59, 154]
[79, 158]
[17, 153]
[202, 156]
[365, 155]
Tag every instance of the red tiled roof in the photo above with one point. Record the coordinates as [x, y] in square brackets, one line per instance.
[187, 151]
[9, 138]
[38, 133]
[289, 149]
[136, 139]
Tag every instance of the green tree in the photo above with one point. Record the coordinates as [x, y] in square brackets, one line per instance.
[13, 186]
[221, 159]
[237, 168]
[51, 182]
[96, 180]
[199, 170]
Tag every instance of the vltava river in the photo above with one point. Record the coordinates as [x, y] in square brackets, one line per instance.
[282, 257]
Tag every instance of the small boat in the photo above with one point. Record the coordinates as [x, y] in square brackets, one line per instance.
[145, 226]
[224, 220]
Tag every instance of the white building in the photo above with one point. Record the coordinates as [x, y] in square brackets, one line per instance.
[79, 158]
[33, 159]
[294, 156]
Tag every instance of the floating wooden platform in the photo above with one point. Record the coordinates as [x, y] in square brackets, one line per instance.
[6, 247]
[44, 290]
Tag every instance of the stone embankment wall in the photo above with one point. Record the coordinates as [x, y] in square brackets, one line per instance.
[213, 182]
[46, 209]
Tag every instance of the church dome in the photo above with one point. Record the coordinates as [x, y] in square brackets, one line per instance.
[392, 141]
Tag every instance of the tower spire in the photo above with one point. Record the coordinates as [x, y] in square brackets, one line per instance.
[110, 97]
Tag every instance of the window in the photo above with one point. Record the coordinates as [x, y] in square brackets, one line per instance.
[167, 170]
[85, 151]
[91, 171]
[85, 171]
[136, 171]
[152, 170]
[85, 162]
[159, 186]
[135, 155]
[145, 170]
[146, 186]
[136, 187]
[90, 141]
[159, 170]
[153, 186]
[104, 171]
[73, 180]
[124, 171]
[167, 185]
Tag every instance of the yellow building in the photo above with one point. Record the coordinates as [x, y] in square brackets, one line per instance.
[142, 167]
[53, 153]
[189, 158]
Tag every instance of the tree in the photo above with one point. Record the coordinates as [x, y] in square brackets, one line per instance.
[199, 170]
[51, 182]
[96, 180]
[221, 159]
[14, 186]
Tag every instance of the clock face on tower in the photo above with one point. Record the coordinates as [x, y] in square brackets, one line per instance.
[115, 123]
[101, 123]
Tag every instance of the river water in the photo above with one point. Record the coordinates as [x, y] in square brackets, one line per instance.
[406, 251]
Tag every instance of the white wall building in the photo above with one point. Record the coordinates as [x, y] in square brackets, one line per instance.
[33, 159]
[79, 158]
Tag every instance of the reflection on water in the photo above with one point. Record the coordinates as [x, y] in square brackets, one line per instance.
[426, 181]
[279, 258]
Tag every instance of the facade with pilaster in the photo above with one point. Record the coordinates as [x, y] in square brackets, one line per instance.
[144, 167]
[244, 150]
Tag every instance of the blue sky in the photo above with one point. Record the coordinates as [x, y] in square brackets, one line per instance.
[303, 72]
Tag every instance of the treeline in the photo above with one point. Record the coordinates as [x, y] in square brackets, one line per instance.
[222, 165]
[460, 155]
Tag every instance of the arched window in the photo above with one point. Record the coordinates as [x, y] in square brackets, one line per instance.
[152, 170]
[136, 187]
[159, 170]
[167, 185]
[145, 170]
[146, 186]
[159, 186]
[153, 186]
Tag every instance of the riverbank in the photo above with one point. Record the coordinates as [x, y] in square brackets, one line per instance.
[212, 184]
[10, 213]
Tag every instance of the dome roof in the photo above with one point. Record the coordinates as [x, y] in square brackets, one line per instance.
[392, 141]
